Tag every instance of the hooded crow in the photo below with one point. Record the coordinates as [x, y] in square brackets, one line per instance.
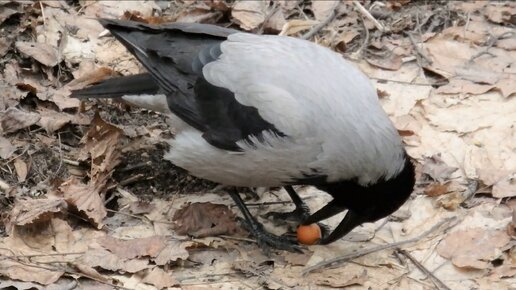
[263, 111]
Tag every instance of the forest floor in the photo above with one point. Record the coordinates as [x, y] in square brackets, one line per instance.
[87, 201]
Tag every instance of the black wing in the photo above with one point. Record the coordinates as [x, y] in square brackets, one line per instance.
[174, 54]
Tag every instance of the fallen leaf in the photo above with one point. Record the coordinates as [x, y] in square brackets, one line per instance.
[436, 189]
[52, 120]
[159, 278]
[501, 13]
[27, 272]
[203, 219]
[276, 22]
[296, 25]
[13, 119]
[473, 248]
[29, 211]
[109, 261]
[101, 144]
[21, 169]
[435, 168]
[171, 253]
[249, 14]
[6, 148]
[42, 52]
[392, 62]
[322, 9]
[133, 248]
[338, 278]
[85, 198]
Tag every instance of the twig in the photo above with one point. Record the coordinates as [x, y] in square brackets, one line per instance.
[132, 179]
[437, 282]
[71, 162]
[418, 49]
[366, 39]
[321, 25]
[492, 40]
[364, 252]
[410, 83]
[368, 15]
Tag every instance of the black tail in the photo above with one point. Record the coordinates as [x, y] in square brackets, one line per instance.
[117, 87]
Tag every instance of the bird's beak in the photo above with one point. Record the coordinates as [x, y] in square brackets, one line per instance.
[348, 223]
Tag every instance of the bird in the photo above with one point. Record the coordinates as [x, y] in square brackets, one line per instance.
[267, 111]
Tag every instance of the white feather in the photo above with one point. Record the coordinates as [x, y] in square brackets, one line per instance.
[328, 109]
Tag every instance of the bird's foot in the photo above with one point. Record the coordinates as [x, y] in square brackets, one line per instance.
[297, 215]
[266, 240]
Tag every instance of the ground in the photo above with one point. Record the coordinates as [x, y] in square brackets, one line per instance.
[87, 201]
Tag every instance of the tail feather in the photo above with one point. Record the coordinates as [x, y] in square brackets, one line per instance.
[141, 84]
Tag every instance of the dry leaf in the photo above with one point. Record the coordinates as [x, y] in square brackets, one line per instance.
[128, 249]
[101, 144]
[473, 248]
[109, 261]
[52, 121]
[171, 253]
[27, 272]
[21, 169]
[29, 211]
[294, 26]
[13, 119]
[249, 14]
[436, 189]
[435, 168]
[340, 278]
[203, 219]
[159, 278]
[322, 9]
[6, 148]
[501, 13]
[42, 52]
[86, 199]
[392, 62]
[275, 22]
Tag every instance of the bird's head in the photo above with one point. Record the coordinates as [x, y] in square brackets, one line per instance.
[364, 203]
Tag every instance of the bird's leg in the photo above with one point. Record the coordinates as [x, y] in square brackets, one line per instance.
[265, 239]
[299, 214]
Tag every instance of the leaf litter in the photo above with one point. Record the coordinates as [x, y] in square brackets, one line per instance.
[86, 197]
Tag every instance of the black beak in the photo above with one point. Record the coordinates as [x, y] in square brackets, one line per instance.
[350, 221]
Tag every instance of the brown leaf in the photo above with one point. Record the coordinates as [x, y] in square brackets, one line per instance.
[61, 98]
[392, 62]
[42, 52]
[29, 211]
[473, 248]
[91, 77]
[203, 219]
[101, 144]
[13, 119]
[199, 15]
[159, 278]
[86, 199]
[322, 9]
[340, 278]
[502, 181]
[52, 120]
[249, 14]
[6, 148]
[436, 189]
[128, 249]
[27, 272]
[109, 261]
[275, 22]
[21, 169]
[296, 25]
[501, 13]
[436, 169]
[172, 252]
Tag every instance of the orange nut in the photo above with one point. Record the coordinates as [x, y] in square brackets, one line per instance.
[309, 234]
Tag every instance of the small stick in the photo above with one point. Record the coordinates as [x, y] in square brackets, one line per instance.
[492, 40]
[364, 252]
[418, 49]
[132, 179]
[368, 15]
[321, 25]
[437, 282]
